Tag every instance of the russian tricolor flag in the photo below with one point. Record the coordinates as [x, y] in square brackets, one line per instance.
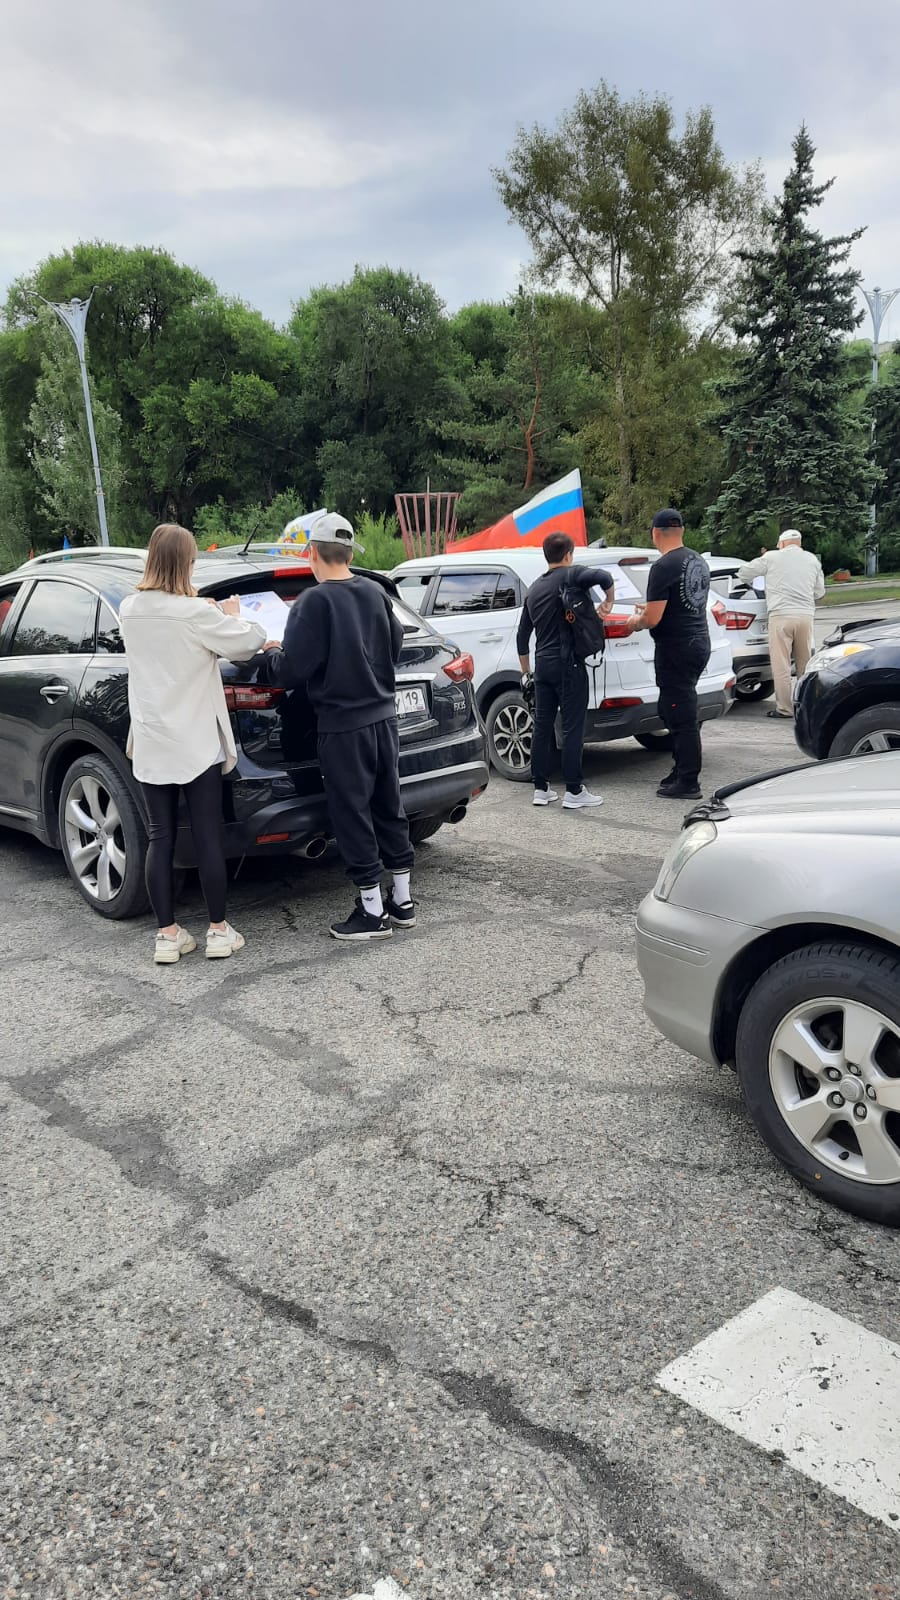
[557, 509]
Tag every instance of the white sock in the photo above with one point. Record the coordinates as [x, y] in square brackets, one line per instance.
[371, 899]
[402, 895]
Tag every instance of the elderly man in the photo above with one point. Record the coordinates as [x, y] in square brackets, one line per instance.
[794, 582]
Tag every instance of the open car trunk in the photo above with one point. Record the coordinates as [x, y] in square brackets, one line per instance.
[276, 728]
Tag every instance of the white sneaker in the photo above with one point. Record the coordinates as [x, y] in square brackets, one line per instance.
[581, 801]
[171, 947]
[223, 942]
[544, 797]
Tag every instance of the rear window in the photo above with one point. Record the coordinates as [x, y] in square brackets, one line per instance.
[464, 591]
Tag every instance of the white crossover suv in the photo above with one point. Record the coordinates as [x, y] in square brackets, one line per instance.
[476, 599]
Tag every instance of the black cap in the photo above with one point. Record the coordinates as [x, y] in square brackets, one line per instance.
[669, 518]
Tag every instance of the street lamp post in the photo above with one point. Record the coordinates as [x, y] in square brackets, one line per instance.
[73, 315]
[879, 302]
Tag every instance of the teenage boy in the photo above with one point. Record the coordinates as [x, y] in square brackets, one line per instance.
[560, 682]
[675, 613]
[342, 640]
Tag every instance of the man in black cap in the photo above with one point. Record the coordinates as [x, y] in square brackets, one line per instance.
[675, 613]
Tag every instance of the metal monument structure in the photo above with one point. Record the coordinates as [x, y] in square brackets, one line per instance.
[427, 521]
[73, 315]
[879, 302]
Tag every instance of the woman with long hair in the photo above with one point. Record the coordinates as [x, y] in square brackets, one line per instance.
[181, 738]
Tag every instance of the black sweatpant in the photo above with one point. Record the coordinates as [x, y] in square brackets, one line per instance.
[204, 803]
[362, 786]
[559, 685]
[678, 668]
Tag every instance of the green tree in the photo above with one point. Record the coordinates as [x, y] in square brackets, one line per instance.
[644, 221]
[796, 450]
[206, 389]
[60, 445]
[377, 371]
[884, 410]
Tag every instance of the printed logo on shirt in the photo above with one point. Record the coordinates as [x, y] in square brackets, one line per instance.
[694, 585]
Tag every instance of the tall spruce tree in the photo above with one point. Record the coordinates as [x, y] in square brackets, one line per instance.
[796, 451]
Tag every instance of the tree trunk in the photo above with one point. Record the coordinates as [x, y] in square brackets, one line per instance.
[528, 430]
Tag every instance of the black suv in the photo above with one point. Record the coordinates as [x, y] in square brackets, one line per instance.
[848, 701]
[64, 721]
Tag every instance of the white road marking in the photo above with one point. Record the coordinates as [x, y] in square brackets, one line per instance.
[790, 1375]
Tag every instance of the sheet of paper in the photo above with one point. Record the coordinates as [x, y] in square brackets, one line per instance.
[267, 608]
[625, 589]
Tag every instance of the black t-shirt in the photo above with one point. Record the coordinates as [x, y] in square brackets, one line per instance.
[542, 613]
[681, 578]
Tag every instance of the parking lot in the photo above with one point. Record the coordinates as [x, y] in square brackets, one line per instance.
[327, 1264]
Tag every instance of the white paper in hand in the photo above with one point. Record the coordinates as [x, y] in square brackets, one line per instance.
[267, 608]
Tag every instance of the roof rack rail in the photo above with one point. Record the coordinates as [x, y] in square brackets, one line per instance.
[112, 552]
[267, 547]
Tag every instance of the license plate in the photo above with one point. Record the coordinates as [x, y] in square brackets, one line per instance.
[411, 702]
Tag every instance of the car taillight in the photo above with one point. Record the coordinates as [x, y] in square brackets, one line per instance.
[620, 700]
[460, 670]
[251, 697]
[733, 620]
[616, 626]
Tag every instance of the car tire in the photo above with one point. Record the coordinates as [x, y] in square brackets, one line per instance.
[754, 690]
[509, 725]
[96, 800]
[791, 1036]
[655, 741]
[424, 828]
[876, 728]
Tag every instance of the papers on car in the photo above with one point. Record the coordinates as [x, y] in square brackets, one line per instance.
[268, 608]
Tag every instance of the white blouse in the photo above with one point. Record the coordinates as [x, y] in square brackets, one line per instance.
[179, 721]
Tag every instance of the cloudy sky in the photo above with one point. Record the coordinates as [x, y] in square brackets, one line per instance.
[274, 144]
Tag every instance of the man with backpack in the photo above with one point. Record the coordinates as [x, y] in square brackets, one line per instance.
[560, 612]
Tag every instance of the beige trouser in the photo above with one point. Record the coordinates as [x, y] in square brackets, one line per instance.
[787, 635]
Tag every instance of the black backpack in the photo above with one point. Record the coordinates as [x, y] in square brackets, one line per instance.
[582, 627]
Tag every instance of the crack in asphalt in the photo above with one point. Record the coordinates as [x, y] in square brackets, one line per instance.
[497, 1189]
[621, 1497]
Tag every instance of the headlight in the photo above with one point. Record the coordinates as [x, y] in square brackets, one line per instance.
[835, 652]
[692, 840]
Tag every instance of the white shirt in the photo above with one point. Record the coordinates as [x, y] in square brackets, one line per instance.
[794, 580]
[179, 721]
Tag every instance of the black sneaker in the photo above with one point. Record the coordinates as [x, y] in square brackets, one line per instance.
[679, 790]
[361, 925]
[401, 916]
[668, 780]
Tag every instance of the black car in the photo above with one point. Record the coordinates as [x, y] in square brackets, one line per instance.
[848, 701]
[64, 775]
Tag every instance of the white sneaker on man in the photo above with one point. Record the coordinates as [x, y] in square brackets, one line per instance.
[171, 947]
[223, 942]
[544, 797]
[581, 801]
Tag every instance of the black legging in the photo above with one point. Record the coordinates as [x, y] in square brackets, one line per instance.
[204, 803]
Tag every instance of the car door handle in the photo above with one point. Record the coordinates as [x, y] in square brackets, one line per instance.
[52, 691]
[492, 638]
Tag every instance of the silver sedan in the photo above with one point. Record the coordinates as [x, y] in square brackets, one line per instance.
[771, 943]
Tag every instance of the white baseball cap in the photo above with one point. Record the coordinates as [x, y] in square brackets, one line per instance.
[333, 529]
[791, 536]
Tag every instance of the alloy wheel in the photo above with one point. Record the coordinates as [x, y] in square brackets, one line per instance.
[872, 743]
[834, 1069]
[511, 735]
[95, 841]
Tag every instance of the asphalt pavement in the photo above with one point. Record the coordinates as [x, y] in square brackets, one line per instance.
[327, 1264]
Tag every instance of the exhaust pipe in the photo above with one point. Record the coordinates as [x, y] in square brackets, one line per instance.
[458, 814]
[314, 847]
